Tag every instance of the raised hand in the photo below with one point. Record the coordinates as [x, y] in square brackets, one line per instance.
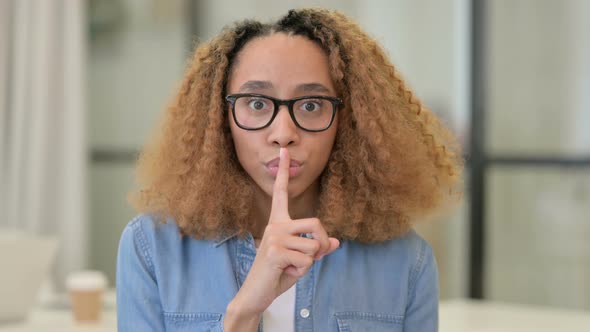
[283, 256]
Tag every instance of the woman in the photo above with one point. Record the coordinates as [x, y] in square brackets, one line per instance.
[280, 192]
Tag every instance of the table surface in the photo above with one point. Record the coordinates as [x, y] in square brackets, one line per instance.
[484, 316]
[455, 316]
[59, 318]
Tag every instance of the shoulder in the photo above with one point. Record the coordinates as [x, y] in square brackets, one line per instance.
[146, 226]
[151, 236]
[392, 271]
[410, 241]
[155, 233]
[160, 246]
[409, 246]
[414, 255]
[409, 252]
[413, 248]
[142, 235]
[420, 254]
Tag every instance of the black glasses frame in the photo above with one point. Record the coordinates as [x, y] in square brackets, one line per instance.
[336, 102]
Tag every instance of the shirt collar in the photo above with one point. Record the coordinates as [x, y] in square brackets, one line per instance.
[222, 240]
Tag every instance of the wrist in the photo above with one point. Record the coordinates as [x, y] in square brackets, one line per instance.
[240, 316]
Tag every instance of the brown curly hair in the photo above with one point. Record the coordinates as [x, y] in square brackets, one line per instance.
[392, 163]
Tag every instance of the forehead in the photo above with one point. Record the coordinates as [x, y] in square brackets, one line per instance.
[283, 60]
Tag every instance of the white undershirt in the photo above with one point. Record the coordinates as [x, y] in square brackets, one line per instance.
[279, 316]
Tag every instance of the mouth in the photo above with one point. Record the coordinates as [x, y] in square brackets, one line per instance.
[272, 167]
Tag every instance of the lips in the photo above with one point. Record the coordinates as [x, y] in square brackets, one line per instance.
[275, 163]
[272, 167]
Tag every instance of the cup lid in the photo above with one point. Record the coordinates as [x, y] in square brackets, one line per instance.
[86, 280]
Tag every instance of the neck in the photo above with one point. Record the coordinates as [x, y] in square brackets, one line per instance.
[304, 205]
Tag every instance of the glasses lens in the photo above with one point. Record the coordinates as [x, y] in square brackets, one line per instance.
[313, 113]
[253, 112]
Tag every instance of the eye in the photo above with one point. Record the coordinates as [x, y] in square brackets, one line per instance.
[311, 105]
[257, 104]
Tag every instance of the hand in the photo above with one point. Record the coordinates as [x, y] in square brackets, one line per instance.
[283, 256]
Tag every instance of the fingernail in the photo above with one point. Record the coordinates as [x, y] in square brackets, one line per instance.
[282, 153]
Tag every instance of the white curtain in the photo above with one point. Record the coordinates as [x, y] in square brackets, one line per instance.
[42, 124]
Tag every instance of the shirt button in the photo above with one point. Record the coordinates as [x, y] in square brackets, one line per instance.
[304, 313]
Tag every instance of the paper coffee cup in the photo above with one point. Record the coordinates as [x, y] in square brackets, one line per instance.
[86, 289]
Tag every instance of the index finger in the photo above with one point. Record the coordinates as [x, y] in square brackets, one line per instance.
[280, 192]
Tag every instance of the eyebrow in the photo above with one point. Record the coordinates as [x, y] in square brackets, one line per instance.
[256, 85]
[313, 87]
[250, 86]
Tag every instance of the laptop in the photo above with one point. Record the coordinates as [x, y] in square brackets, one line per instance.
[25, 261]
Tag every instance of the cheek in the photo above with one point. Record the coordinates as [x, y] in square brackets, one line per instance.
[241, 147]
[324, 153]
[238, 141]
[328, 140]
[245, 146]
[322, 150]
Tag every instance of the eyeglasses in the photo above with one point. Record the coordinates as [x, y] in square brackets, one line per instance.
[255, 111]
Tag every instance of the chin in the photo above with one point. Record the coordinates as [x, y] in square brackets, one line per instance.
[294, 191]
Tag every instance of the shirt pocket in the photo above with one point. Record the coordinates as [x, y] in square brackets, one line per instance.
[193, 322]
[356, 321]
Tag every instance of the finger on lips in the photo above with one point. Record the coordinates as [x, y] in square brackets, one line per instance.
[280, 213]
[280, 195]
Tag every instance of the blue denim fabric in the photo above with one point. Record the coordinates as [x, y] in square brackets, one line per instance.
[169, 283]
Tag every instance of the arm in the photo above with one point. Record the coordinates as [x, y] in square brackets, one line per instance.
[237, 319]
[422, 309]
[138, 302]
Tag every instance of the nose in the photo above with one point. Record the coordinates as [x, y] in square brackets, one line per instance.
[283, 131]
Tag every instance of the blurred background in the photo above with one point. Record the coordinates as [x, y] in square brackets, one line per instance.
[83, 84]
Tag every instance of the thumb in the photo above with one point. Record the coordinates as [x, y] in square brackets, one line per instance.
[334, 244]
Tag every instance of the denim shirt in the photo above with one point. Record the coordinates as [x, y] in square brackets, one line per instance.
[166, 282]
